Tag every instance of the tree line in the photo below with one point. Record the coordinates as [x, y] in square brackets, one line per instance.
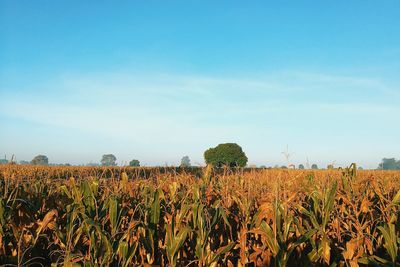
[223, 155]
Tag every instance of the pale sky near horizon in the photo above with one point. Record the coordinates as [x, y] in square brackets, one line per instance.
[156, 81]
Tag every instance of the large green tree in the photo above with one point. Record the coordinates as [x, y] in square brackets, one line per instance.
[314, 167]
[229, 154]
[389, 164]
[40, 160]
[108, 160]
[185, 161]
[134, 163]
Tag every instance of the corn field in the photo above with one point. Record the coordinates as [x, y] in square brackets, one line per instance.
[80, 216]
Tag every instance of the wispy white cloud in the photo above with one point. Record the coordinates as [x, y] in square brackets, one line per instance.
[200, 110]
[126, 101]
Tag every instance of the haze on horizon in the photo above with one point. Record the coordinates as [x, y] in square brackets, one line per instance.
[156, 81]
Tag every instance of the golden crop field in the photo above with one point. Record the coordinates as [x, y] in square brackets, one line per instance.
[81, 216]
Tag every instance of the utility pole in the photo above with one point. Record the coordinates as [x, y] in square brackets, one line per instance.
[287, 154]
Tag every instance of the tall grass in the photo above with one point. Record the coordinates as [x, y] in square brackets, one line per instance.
[72, 216]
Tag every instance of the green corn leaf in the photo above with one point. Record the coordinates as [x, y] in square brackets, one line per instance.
[222, 251]
[270, 238]
[2, 213]
[396, 199]
[329, 201]
[122, 250]
[155, 208]
[390, 237]
[113, 212]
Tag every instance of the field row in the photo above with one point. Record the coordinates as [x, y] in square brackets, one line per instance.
[119, 217]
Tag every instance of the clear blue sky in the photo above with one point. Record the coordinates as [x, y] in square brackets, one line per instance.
[157, 80]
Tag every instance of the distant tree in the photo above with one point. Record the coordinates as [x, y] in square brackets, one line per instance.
[91, 164]
[330, 167]
[40, 160]
[283, 167]
[389, 164]
[185, 162]
[314, 167]
[3, 161]
[263, 167]
[360, 168]
[229, 154]
[301, 167]
[134, 163]
[108, 160]
[24, 162]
